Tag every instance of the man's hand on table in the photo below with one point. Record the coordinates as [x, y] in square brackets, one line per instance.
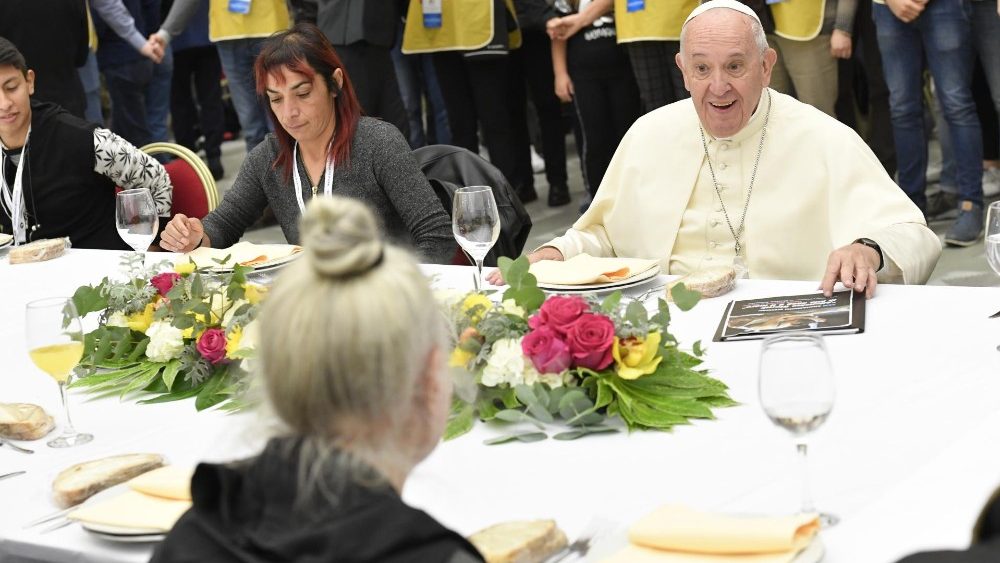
[182, 234]
[854, 265]
[544, 253]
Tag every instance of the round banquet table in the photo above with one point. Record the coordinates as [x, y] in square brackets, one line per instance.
[906, 460]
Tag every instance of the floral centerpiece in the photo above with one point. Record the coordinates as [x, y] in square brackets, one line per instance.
[578, 359]
[169, 333]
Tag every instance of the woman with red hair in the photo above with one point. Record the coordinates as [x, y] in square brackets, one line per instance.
[321, 145]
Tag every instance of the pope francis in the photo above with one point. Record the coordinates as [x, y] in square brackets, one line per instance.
[742, 174]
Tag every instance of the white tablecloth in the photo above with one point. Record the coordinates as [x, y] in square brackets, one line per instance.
[907, 458]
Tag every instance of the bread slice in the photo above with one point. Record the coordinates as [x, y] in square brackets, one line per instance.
[521, 541]
[24, 421]
[83, 480]
[710, 282]
[38, 251]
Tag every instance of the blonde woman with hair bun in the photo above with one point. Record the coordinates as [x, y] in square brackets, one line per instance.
[352, 365]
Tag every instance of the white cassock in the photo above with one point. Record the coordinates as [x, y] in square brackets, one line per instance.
[818, 187]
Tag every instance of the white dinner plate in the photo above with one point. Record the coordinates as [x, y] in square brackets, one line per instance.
[609, 286]
[262, 267]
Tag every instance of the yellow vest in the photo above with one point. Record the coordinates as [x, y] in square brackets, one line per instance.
[265, 18]
[661, 20]
[91, 32]
[801, 20]
[466, 25]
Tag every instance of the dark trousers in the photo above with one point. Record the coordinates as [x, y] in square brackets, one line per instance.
[374, 79]
[606, 108]
[127, 89]
[660, 81]
[476, 92]
[880, 132]
[536, 51]
[197, 67]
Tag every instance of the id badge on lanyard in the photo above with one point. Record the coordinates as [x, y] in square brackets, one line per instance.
[432, 13]
[239, 6]
[775, 1]
[635, 5]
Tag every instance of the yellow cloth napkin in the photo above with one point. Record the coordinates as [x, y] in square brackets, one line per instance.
[245, 253]
[133, 509]
[169, 482]
[677, 534]
[586, 269]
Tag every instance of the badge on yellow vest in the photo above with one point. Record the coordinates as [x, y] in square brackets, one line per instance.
[465, 25]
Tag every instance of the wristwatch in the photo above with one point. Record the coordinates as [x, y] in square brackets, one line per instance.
[873, 245]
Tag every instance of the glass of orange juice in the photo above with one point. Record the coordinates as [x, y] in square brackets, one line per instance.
[55, 345]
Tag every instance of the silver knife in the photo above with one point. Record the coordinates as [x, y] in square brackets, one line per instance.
[9, 475]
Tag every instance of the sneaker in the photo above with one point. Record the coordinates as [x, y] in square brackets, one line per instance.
[537, 162]
[941, 205]
[967, 228]
[991, 182]
[558, 195]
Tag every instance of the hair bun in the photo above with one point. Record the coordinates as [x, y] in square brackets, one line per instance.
[340, 236]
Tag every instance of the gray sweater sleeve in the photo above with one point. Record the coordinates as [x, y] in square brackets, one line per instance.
[413, 197]
[243, 203]
[116, 15]
[179, 17]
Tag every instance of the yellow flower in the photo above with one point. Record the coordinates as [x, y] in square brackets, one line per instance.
[254, 293]
[140, 321]
[459, 358]
[184, 268]
[635, 357]
[233, 341]
[474, 300]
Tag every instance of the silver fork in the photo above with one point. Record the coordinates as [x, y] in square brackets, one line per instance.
[15, 447]
[580, 546]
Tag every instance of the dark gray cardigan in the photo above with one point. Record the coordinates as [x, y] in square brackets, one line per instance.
[382, 173]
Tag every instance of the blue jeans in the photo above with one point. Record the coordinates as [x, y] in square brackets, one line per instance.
[943, 33]
[237, 57]
[416, 76]
[986, 38]
[158, 98]
[127, 85]
[90, 76]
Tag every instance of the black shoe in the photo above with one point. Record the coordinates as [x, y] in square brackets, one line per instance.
[558, 195]
[941, 206]
[527, 195]
[215, 167]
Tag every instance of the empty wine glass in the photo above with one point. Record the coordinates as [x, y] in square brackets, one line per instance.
[797, 392]
[136, 218]
[55, 345]
[476, 223]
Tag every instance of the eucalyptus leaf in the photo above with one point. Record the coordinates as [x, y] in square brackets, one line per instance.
[520, 437]
[611, 302]
[581, 432]
[89, 299]
[684, 298]
[697, 349]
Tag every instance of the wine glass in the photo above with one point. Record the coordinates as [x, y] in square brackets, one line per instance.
[55, 345]
[797, 392]
[476, 223]
[993, 236]
[136, 218]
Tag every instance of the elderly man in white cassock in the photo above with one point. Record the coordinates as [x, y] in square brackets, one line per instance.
[740, 174]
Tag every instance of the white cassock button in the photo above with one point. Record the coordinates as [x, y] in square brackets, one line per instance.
[714, 222]
[713, 244]
[718, 209]
[708, 258]
[723, 166]
[722, 187]
[723, 147]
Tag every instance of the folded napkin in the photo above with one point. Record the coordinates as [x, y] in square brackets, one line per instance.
[133, 509]
[5, 238]
[677, 534]
[243, 253]
[169, 482]
[586, 269]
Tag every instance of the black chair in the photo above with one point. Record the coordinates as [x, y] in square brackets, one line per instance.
[448, 168]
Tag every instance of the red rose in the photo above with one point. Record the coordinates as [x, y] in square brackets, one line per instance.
[590, 341]
[559, 313]
[546, 351]
[212, 345]
[164, 282]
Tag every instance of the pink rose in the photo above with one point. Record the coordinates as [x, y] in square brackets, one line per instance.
[164, 282]
[559, 313]
[546, 351]
[212, 345]
[590, 341]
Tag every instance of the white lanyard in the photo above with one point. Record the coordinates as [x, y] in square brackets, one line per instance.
[13, 202]
[327, 175]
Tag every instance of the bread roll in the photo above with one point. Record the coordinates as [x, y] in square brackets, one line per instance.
[38, 251]
[24, 421]
[710, 282]
[522, 541]
[83, 480]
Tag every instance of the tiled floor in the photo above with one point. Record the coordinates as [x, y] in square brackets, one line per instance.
[957, 266]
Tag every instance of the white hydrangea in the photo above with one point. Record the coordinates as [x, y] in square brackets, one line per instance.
[165, 341]
[507, 364]
[553, 380]
[512, 308]
[118, 319]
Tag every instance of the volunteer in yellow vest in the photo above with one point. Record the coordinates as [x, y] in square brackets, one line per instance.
[743, 175]
[238, 29]
[470, 41]
[810, 35]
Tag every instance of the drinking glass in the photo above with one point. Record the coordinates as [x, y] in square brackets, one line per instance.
[476, 223]
[55, 345]
[797, 392]
[136, 218]
[993, 236]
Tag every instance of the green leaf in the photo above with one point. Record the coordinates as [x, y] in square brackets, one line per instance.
[581, 432]
[684, 298]
[662, 316]
[635, 314]
[610, 303]
[521, 437]
[493, 399]
[170, 373]
[460, 419]
[209, 395]
[523, 285]
[89, 299]
[697, 349]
